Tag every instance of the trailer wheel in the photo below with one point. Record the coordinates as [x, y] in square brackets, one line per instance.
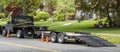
[20, 34]
[61, 38]
[80, 41]
[4, 32]
[53, 37]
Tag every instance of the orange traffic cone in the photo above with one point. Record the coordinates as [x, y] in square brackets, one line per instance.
[47, 39]
[8, 34]
[42, 38]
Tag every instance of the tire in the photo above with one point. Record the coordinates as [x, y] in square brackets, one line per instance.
[80, 41]
[20, 34]
[35, 36]
[25, 33]
[4, 32]
[53, 37]
[60, 38]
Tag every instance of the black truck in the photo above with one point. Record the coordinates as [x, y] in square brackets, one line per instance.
[22, 26]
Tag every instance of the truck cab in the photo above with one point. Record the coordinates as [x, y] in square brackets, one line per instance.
[21, 26]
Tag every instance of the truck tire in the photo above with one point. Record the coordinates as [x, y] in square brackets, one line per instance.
[25, 33]
[35, 36]
[61, 38]
[20, 34]
[53, 37]
[4, 32]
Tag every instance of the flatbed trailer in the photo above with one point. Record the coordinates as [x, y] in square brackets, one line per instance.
[79, 37]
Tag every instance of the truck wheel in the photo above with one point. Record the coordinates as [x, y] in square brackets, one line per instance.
[53, 37]
[25, 33]
[20, 34]
[4, 32]
[61, 38]
[35, 36]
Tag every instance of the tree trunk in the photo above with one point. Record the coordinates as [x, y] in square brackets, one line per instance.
[117, 18]
[24, 8]
[110, 21]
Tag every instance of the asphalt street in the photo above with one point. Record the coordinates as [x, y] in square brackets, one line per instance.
[14, 44]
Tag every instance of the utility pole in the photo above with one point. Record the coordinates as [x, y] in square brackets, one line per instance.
[24, 7]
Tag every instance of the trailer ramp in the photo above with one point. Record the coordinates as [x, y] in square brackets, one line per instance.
[95, 41]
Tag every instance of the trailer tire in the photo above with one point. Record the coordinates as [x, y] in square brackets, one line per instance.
[4, 32]
[53, 37]
[61, 38]
[20, 34]
[80, 41]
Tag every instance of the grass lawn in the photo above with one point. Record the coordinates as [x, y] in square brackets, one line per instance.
[113, 39]
[86, 26]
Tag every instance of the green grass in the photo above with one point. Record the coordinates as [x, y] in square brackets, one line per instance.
[86, 26]
[112, 39]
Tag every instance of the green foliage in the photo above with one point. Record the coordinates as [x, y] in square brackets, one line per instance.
[32, 14]
[5, 2]
[65, 6]
[41, 15]
[36, 18]
[41, 20]
[4, 19]
[103, 20]
[59, 17]
[2, 15]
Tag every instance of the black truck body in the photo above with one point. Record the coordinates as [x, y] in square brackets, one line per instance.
[21, 26]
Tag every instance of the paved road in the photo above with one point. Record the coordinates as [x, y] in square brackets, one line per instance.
[34, 45]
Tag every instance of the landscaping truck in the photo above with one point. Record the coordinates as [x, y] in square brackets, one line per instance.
[23, 26]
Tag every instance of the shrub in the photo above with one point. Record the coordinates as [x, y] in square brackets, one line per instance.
[59, 17]
[42, 15]
[4, 19]
[31, 14]
[41, 20]
[2, 15]
[36, 18]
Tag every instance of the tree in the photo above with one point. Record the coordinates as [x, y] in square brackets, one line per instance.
[28, 6]
[105, 8]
